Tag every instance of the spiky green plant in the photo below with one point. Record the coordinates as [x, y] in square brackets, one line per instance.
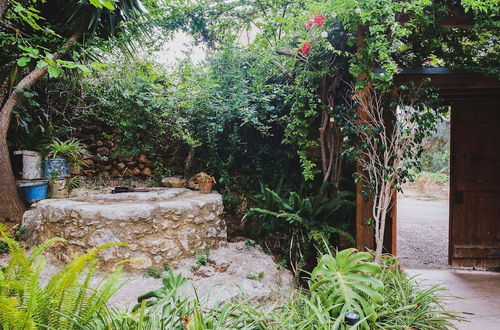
[347, 281]
[26, 304]
[307, 220]
[409, 307]
[72, 149]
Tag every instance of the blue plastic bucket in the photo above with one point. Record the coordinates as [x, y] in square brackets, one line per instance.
[33, 191]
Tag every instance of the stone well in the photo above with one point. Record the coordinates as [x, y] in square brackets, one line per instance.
[159, 225]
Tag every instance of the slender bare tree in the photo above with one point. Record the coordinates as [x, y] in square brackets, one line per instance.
[390, 129]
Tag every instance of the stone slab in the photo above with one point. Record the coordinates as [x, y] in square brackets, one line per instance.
[477, 294]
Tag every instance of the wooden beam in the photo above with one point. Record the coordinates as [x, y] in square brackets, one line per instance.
[458, 22]
[364, 233]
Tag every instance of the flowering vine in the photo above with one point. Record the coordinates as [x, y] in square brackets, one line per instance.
[317, 20]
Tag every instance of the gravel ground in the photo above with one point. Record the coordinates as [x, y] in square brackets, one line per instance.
[422, 233]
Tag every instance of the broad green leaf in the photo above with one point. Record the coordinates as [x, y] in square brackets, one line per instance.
[84, 69]
[54, 71]
[41, 64]
[23, 61]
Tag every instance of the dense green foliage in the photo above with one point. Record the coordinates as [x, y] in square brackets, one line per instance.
[296, 224]
[343, 281]
[346, 282]
[137, 97]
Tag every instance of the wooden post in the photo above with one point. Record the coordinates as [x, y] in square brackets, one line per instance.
[364, 233]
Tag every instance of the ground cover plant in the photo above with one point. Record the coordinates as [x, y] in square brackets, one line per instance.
[341, 281]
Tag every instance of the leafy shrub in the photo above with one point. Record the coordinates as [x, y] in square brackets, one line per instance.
[18, 232]
[399, 305]
[436, 152]
[437, 178]
[408, 306]
[256, 277]
[307, 220]
[153, 272]
[135, 96]
[340, 282]
[172, 285]
[202, 257]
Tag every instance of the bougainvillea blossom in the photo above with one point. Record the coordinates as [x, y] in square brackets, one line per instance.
[319, 20]
[306, 47]
[309, 24]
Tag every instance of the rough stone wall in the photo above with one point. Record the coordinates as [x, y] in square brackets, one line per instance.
[163, 225]
[102, 159]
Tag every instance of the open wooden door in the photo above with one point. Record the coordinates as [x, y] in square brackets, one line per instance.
[475, 183]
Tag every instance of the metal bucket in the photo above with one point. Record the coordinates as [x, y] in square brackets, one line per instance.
[58, 167]
[32, 190]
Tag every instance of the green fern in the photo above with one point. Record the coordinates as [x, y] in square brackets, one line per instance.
[25, 304]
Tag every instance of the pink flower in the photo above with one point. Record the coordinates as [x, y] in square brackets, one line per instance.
[309, 24]
[319, 20]
[306, 47]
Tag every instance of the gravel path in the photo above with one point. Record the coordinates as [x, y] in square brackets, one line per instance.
[423, 233]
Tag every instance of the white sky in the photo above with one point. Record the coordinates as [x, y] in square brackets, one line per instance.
[177, 49]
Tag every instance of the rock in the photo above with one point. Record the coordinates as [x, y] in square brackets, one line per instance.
[115, 173]
[102, 151]
[158, 224]
[147, 172]
[224, 279]
[59, 189]
[89, 163]
[225, 276]
[75, 170]
[120, 166]
[104, 174]
[132, 163]
[173, 182]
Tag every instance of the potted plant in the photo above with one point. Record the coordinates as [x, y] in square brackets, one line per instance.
[205, 183]
[62, 154]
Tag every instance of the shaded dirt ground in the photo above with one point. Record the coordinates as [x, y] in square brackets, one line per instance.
[422, 233]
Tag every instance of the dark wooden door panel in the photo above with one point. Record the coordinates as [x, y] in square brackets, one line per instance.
[475, 184]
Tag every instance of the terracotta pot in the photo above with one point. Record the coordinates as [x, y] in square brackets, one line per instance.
[206, 186]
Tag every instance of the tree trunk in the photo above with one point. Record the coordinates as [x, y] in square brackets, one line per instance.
[188, 161]
[378, 251]
[3, 7]
[11, 205]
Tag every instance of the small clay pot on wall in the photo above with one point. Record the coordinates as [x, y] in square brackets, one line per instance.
[205, 186]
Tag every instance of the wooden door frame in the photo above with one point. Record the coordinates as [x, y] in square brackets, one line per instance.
[452, 87]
